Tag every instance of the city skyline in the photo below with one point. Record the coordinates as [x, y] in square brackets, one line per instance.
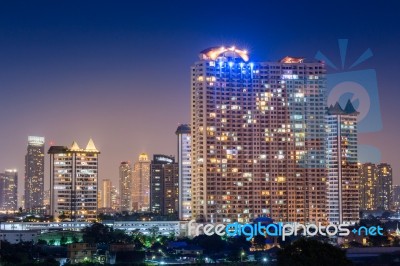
[45, 62]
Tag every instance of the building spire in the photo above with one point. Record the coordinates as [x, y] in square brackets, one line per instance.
[90, 146]
[74, 146]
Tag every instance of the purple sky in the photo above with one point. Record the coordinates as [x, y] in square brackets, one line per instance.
[119, 72]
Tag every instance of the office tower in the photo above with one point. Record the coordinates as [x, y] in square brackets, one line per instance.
[125, 186]
[257, 138]
[8, 190]
[34, 174]
[185, 176]
[74, 182]
[343, 203]
[164, 185]
[115, 199]
[141, 184]
[106, 193]
[396, 197]
[384, 187]
[46, 198]
[368, 182]
[99, 199]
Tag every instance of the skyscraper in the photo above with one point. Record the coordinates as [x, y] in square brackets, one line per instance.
[185, 176]
[74, 182]
[106, 193]
[34, 174]
[257, 138]
[164, 187]
[115, 199]
[384, 186]
[9, 190]
[125, 186]
[368, 181]
[141, 184]
[343, 203]
[396, 197]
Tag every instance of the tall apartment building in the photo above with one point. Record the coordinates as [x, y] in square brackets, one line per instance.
[141, 184]
[376, 189]
[164, 185]
[9, 190]
[125, 186]
[115, 199]
[384, 186]
[368, 181]
[34, 174]
[74, 182]
[106, 193]
[185, 176]
[343, 203]
[257, 138]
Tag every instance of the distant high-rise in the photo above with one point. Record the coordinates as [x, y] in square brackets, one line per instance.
[396, 197]
[74, 181]
[34, 174]
[384, 187]
[141, 184]
[257, 138]
[164, 187]
[343, 204]
[185, 176]
[115, 199]
[125, 186]
[368, 181]
[9, 190]
[106, 193]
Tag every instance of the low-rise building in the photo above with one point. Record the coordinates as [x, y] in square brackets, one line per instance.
[19, 236]
[80, 252]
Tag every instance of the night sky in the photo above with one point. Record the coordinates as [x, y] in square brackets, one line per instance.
[118, 71]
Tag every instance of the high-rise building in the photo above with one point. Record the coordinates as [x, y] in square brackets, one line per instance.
[9, 190]
[368, 181]
[125, 186]
[74, 182]
[185, 176]
[376, 189]
[141, 184]
[257, 138]
[342, 196]
[115, 199]
[164, 185]
[106, 193]
[34, 174]
[384, 187]
[396, 197]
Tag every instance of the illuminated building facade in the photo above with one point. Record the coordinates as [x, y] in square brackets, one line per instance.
[384, 187]
[257, 138]
[185, 176]
[74, 182]
[376, 186]
[114, 198]
[106, 193]
[164, 185]
[34, 174]
[396, 197]
[125, 186]
[343, 203]
[141, 184]
[368, 181]
[9, 190]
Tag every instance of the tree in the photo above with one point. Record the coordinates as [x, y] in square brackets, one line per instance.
[63, 240]
[310, 252]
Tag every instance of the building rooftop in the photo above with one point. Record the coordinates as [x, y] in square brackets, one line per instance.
[213, 53]
[338, 110]
[183, 129]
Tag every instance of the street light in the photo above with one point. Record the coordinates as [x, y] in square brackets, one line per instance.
[265, 260]
[241, 256]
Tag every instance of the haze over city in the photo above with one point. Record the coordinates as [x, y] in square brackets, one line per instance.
[116, 74]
